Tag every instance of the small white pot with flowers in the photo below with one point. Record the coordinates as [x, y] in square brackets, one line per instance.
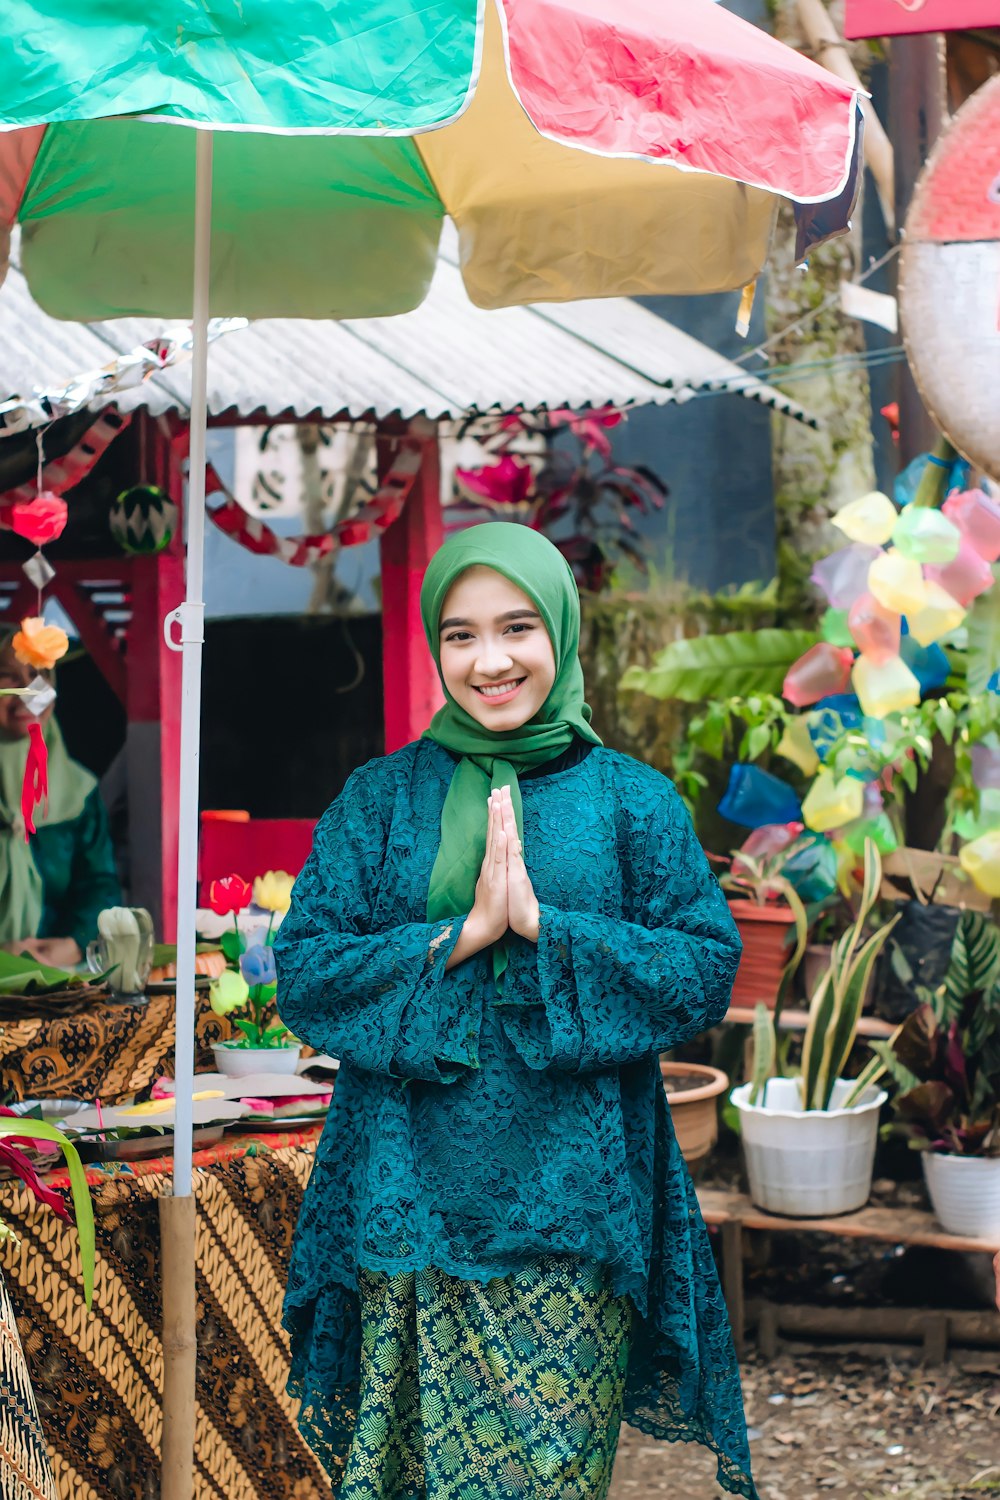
[249, 982]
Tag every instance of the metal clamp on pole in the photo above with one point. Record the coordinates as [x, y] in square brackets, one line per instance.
[190, 622]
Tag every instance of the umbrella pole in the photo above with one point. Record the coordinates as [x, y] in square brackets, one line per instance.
[177, 1213]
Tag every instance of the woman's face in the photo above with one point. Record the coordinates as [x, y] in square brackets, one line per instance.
[14, 717]
[496, 657]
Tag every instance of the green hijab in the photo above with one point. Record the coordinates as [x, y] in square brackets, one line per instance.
[493, 759]
[21, 895]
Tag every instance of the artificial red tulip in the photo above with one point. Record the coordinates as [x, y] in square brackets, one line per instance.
[230, 894]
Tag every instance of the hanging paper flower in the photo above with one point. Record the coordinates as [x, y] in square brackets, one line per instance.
[39, 645]
[41, 520]
[230, 894]
[273, 891]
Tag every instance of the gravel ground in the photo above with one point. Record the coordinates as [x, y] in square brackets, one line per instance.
[869, 1427]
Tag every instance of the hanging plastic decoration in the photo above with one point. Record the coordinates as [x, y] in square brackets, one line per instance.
[874, 629]
[755, 797]
[796, 746]
[981, 861]
[844, 575]
[36, 644]
[143, 520]
[967, 577]
[993, 686]
[926, 536]
[977, 516]
[908, 482]
[822, 671]
[929, 664]
[870, 519]
[830, 718]
[812, 868]
[831, 803]
[885, 687]
[834, 628]
[937, 617]
[897, 582]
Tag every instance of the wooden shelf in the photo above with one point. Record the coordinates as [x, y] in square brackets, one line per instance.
[797, 1020]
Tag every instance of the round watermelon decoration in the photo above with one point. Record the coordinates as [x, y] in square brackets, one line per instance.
[143, 520]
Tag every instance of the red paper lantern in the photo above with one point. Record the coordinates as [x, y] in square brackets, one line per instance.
[40, 520]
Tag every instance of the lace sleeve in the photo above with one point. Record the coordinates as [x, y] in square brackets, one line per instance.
[378, 1001]
[597, 992]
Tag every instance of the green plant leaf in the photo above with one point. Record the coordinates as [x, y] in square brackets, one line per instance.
[720, 666]
[250, 1030]
[983, 654]
[232, 946]
[764, 1048]
[974, 965]
[83, 1209]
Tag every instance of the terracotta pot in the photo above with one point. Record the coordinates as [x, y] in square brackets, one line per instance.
[694, 1111]
[765, 932]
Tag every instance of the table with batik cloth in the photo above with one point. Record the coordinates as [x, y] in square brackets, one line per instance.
[66, 1048]
[97, 1375]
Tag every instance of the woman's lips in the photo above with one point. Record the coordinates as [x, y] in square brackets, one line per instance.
[491, 696]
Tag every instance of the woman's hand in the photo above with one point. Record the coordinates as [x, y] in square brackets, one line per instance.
[487, 921]
[522, 903]
[58, 953]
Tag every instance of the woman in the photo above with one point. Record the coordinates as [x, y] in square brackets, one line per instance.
[53, 886]
[500, 1253]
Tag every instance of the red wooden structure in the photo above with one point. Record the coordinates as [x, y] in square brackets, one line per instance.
[144, 673]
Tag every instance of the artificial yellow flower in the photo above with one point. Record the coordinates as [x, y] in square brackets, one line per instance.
[273, 891]
[39, 645]
[229, 992]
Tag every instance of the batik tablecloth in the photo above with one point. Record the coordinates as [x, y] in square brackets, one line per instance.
[97, 1375]
[97, 1051]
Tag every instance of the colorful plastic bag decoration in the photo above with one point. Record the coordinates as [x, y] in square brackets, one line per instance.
[811, 868]
[844, 574]
[938, 616]
[830, 718]
[875, 630]
[926, 536]
[832, 804]
[755, 797]
[897, 582]
[929, 664]
[981, 861]
[796, 746]
[977, 515]
[907, 483]
[993, 686]
[974, 824]
[885, 687]
[879, 829]
[869, 519]
[968, 576]
[834, 628]
[822, 671]
[766, 841]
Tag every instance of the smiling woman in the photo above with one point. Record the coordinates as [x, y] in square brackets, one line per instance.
[500, 1253]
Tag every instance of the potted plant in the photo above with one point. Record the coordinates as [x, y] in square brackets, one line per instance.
[945, 1059]
[772, 920]
[249, 982]
[809, 1139]
[693, 1091]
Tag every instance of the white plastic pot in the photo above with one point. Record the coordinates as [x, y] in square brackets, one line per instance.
[965, 1194]
[240, 1062]
[807, 1164]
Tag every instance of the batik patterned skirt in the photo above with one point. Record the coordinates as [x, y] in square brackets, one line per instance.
[508, 1391]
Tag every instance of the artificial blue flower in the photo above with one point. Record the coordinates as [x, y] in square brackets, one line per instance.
[257, 965]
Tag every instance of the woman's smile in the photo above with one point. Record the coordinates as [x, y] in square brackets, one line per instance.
[499, 692]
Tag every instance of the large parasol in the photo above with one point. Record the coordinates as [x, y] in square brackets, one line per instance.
[583, 148]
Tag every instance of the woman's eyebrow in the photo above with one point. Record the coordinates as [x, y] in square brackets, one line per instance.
[511, 614]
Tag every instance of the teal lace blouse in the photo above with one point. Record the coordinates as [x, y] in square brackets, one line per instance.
[474, 1130]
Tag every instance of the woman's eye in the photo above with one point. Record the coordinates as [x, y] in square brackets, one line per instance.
[458, 636]
[520, 627]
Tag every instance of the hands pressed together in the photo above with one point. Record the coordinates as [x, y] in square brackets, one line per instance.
[505, 900]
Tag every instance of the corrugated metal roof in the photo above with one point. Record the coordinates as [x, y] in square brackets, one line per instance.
[443, 360]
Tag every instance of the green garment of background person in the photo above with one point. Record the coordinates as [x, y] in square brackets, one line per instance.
[51, 888]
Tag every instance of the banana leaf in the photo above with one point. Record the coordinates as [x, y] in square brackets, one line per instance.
[721, 666]
[22, 975]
